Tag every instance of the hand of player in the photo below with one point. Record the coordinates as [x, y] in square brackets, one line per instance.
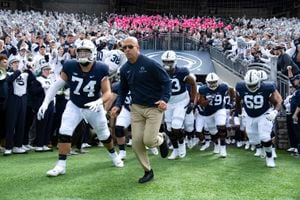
[42, 110]
[161, 104]
[190, 107]
[95, 105]
[272, 115]
[114, 111]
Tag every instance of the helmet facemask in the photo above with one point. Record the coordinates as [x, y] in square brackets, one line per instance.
[212, 84]
[253, 87]
[169, 65]
[84, 56]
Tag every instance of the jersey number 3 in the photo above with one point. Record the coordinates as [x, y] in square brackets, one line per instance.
[88, 88]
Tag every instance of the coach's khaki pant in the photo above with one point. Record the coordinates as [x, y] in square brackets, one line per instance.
[145, 124]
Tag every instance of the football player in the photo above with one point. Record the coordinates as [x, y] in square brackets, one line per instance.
[179, 102]
[89, 89]
[257, 98]
[211, 97]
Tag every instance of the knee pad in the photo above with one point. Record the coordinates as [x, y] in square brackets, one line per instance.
[178, 133]
[222, 131]
[266, 144]
[119, 131]
[107, 141]
[64, 138]
[215, 137]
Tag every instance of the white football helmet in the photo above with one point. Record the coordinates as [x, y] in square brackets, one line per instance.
[169, 59]
[85, 52]
[262, 75]
[212, 81]
[252, 80]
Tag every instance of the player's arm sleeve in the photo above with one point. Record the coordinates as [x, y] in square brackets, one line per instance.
[123, 90]
[59, 83]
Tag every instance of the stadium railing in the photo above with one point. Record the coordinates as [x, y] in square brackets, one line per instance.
[185, 42]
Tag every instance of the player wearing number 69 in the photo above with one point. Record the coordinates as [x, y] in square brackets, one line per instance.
[89, 89]
[257, 98]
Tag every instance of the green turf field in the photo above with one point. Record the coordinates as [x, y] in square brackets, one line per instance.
[201, 175]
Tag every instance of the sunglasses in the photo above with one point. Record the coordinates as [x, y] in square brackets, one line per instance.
[127, 46]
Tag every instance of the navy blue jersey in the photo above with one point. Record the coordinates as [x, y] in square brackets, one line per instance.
[228, 102]
[84, 86]
[215, 97]
[115, 89]
[178, 80]
[147, 81]
[255, 103]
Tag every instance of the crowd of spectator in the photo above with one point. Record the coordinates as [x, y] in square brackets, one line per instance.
[32, 37]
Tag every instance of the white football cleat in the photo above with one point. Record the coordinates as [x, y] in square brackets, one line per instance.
[205, 146]
[270, 162]
[174, 155]
[258, 152]
[223, 153]
[122, 154]
[190, 143]
[182, 150]
[216, 148]
[239, 144]
[252, 147]
[116, 160]
[247, 145]
[56, 171]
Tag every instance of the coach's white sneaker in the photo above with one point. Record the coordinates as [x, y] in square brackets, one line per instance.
[270, 162]
[122, 154]
[182, 150]
[116, 160]
[174, 155]
[56, 171]
[216, 148]
[223, 153]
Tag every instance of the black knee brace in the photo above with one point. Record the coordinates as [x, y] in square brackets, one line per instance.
[215, 137]
[222, 131]
[267, 144]
[107, 141]
[119, 131]
[64, 138]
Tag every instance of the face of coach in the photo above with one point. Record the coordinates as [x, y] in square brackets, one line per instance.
[131, 49]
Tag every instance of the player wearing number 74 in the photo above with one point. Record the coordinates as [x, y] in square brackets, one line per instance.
[89, 89]
[262, 102]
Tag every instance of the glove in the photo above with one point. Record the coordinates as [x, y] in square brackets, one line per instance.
[190, 107]
[95, 105]
[42, 110]
[272, 115]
